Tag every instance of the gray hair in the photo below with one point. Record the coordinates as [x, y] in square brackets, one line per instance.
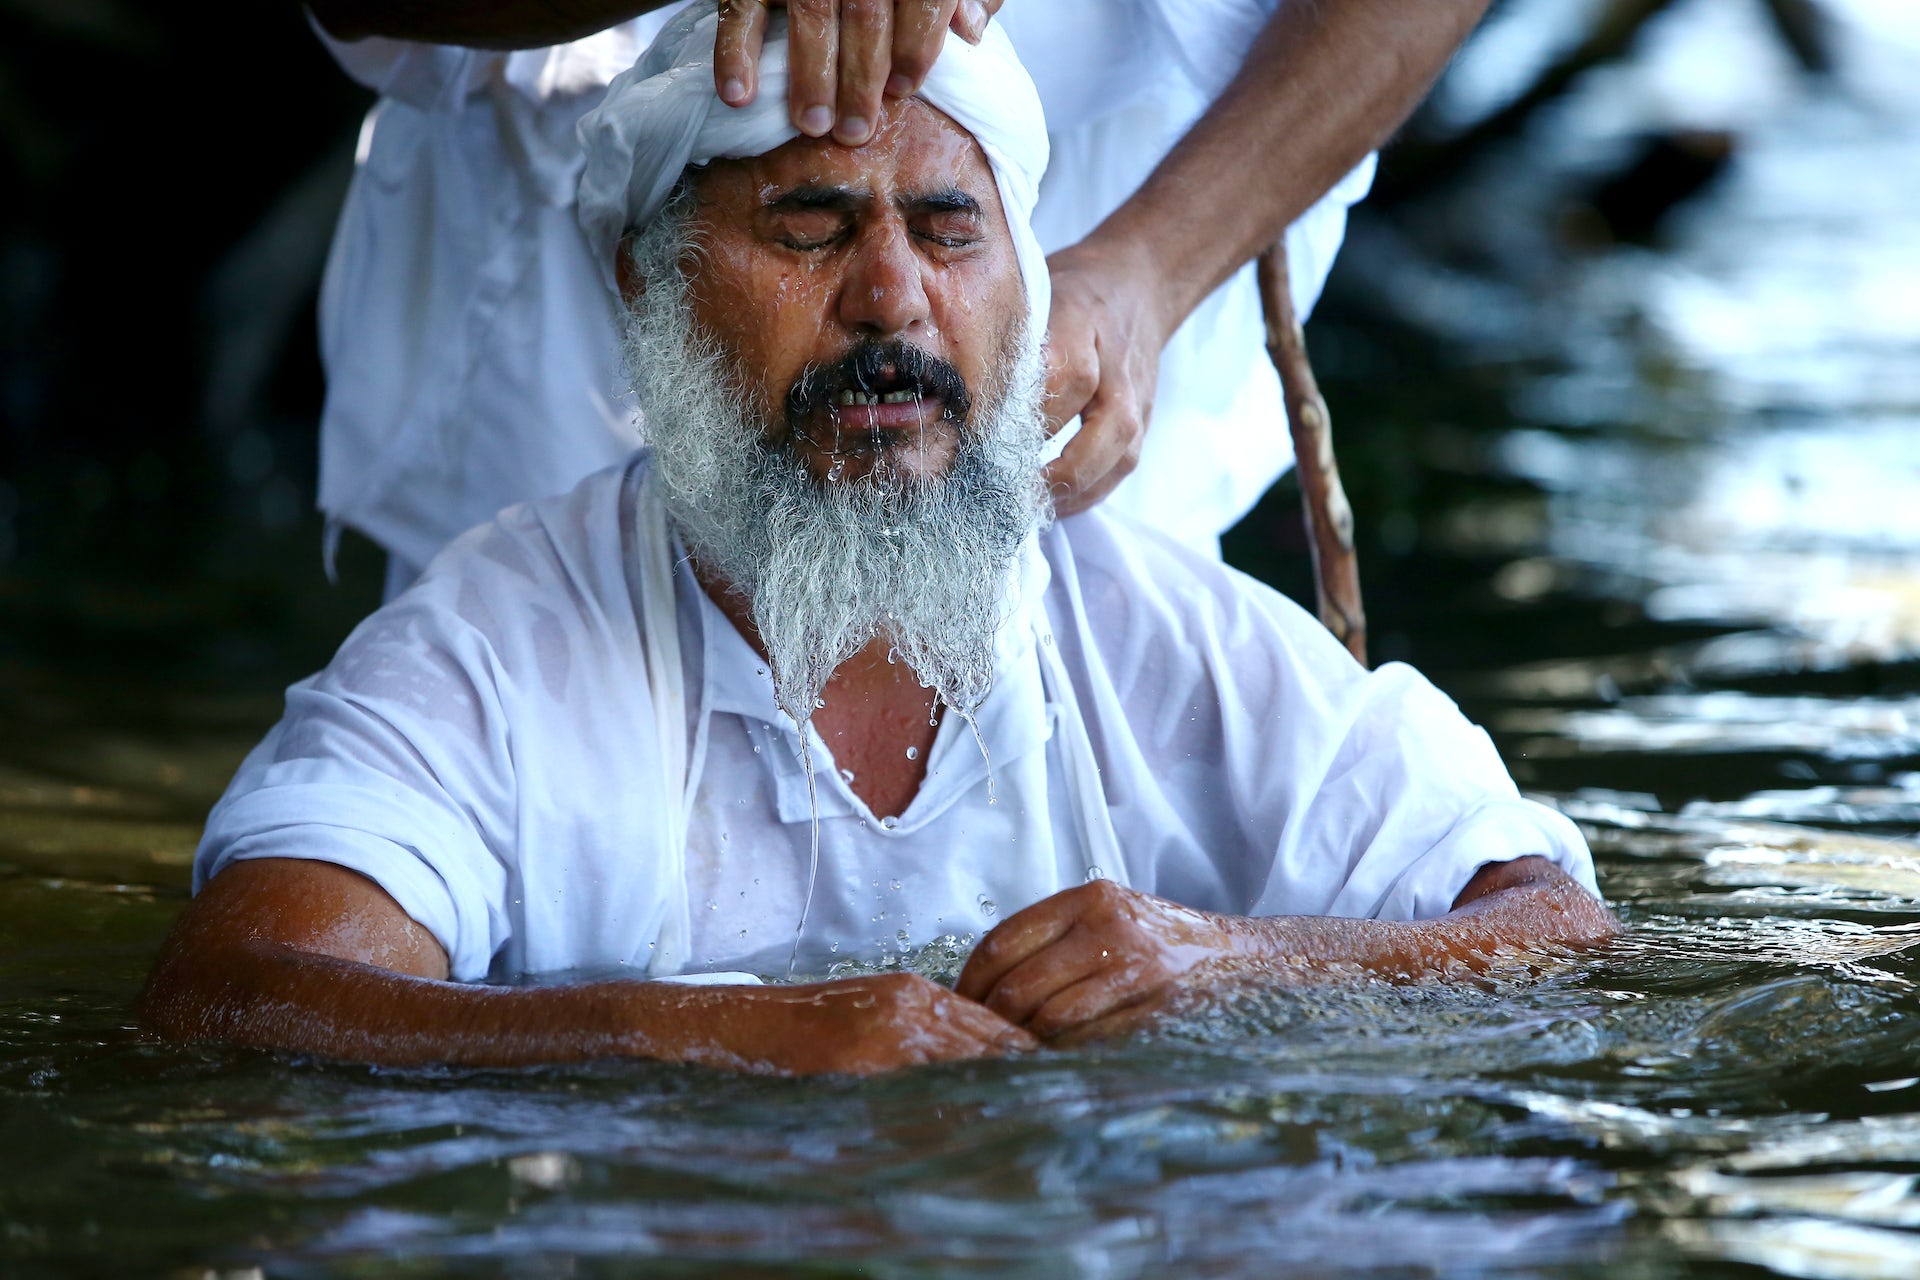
[826, 567]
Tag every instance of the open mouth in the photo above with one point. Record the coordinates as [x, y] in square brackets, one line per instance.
[863, 399]
[871, 393]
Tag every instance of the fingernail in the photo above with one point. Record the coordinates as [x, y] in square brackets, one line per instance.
[815, 121]
[973, 17]
[898, 86]
[853, 131]
[734, 92]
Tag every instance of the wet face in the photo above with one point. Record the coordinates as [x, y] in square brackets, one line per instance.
[866, 297]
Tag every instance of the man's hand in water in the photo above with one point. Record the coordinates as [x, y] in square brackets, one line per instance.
[312, 958]
[1098, 959]
[1090, 953]
[860, 1026]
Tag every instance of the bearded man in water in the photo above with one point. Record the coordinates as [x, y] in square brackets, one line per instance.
[813, 679]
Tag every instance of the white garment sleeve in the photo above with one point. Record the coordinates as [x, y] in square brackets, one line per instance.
[393, 762]
[1386, 799]
[1252, 766]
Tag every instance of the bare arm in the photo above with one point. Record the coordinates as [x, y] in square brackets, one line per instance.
[1094, 953]
[500, 24]
[308, 957]
[845, 53]
[1326, 82]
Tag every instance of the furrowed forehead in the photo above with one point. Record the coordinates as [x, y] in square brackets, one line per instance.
[918, 153]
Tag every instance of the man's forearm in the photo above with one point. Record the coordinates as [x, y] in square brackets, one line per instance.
[268, 995]
[1550, 910]
[1325, 83]
[503, 24]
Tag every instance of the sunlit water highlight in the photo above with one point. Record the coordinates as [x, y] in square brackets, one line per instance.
[1687, 514]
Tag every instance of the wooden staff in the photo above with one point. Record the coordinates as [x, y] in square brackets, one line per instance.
[1336, 571]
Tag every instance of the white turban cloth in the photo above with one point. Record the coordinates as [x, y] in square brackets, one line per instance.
[664, 114]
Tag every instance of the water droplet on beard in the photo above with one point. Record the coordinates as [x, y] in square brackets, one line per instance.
[890, 824]
[913, 753]
[839, 469]
[987, 906]
[1095, 873]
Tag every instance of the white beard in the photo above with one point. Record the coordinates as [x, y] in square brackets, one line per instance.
[828, 567]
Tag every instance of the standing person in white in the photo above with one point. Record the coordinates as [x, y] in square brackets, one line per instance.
[466, 365]
[815, 660]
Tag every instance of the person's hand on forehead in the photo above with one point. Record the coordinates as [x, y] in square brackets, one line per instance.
[849, 56]
[866, 295]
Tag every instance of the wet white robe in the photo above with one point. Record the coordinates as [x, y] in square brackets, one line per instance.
[486, 748]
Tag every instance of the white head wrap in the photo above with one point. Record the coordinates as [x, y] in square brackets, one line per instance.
[663, 115]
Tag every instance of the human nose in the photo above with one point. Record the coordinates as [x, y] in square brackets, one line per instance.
[884, 293]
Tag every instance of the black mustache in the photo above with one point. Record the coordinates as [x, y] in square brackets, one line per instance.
[878, 367]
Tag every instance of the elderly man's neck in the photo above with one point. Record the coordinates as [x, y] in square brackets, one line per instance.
[877, 720]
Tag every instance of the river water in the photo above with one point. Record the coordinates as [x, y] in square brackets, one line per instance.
[1648, 513]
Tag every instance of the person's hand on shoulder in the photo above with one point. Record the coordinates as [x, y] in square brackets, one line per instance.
[845, 55]
[1103, 363]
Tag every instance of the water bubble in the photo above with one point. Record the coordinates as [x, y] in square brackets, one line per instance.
[833, 946]
[1047, 638]
[889, 823]
[894, 885]
[847, 775]
[761, 672]
[756, 748]
[987, 905]
[818, 703]
[902, 938]
[893, 656]
[712, 905]
[1095, 873]
[913, 753]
